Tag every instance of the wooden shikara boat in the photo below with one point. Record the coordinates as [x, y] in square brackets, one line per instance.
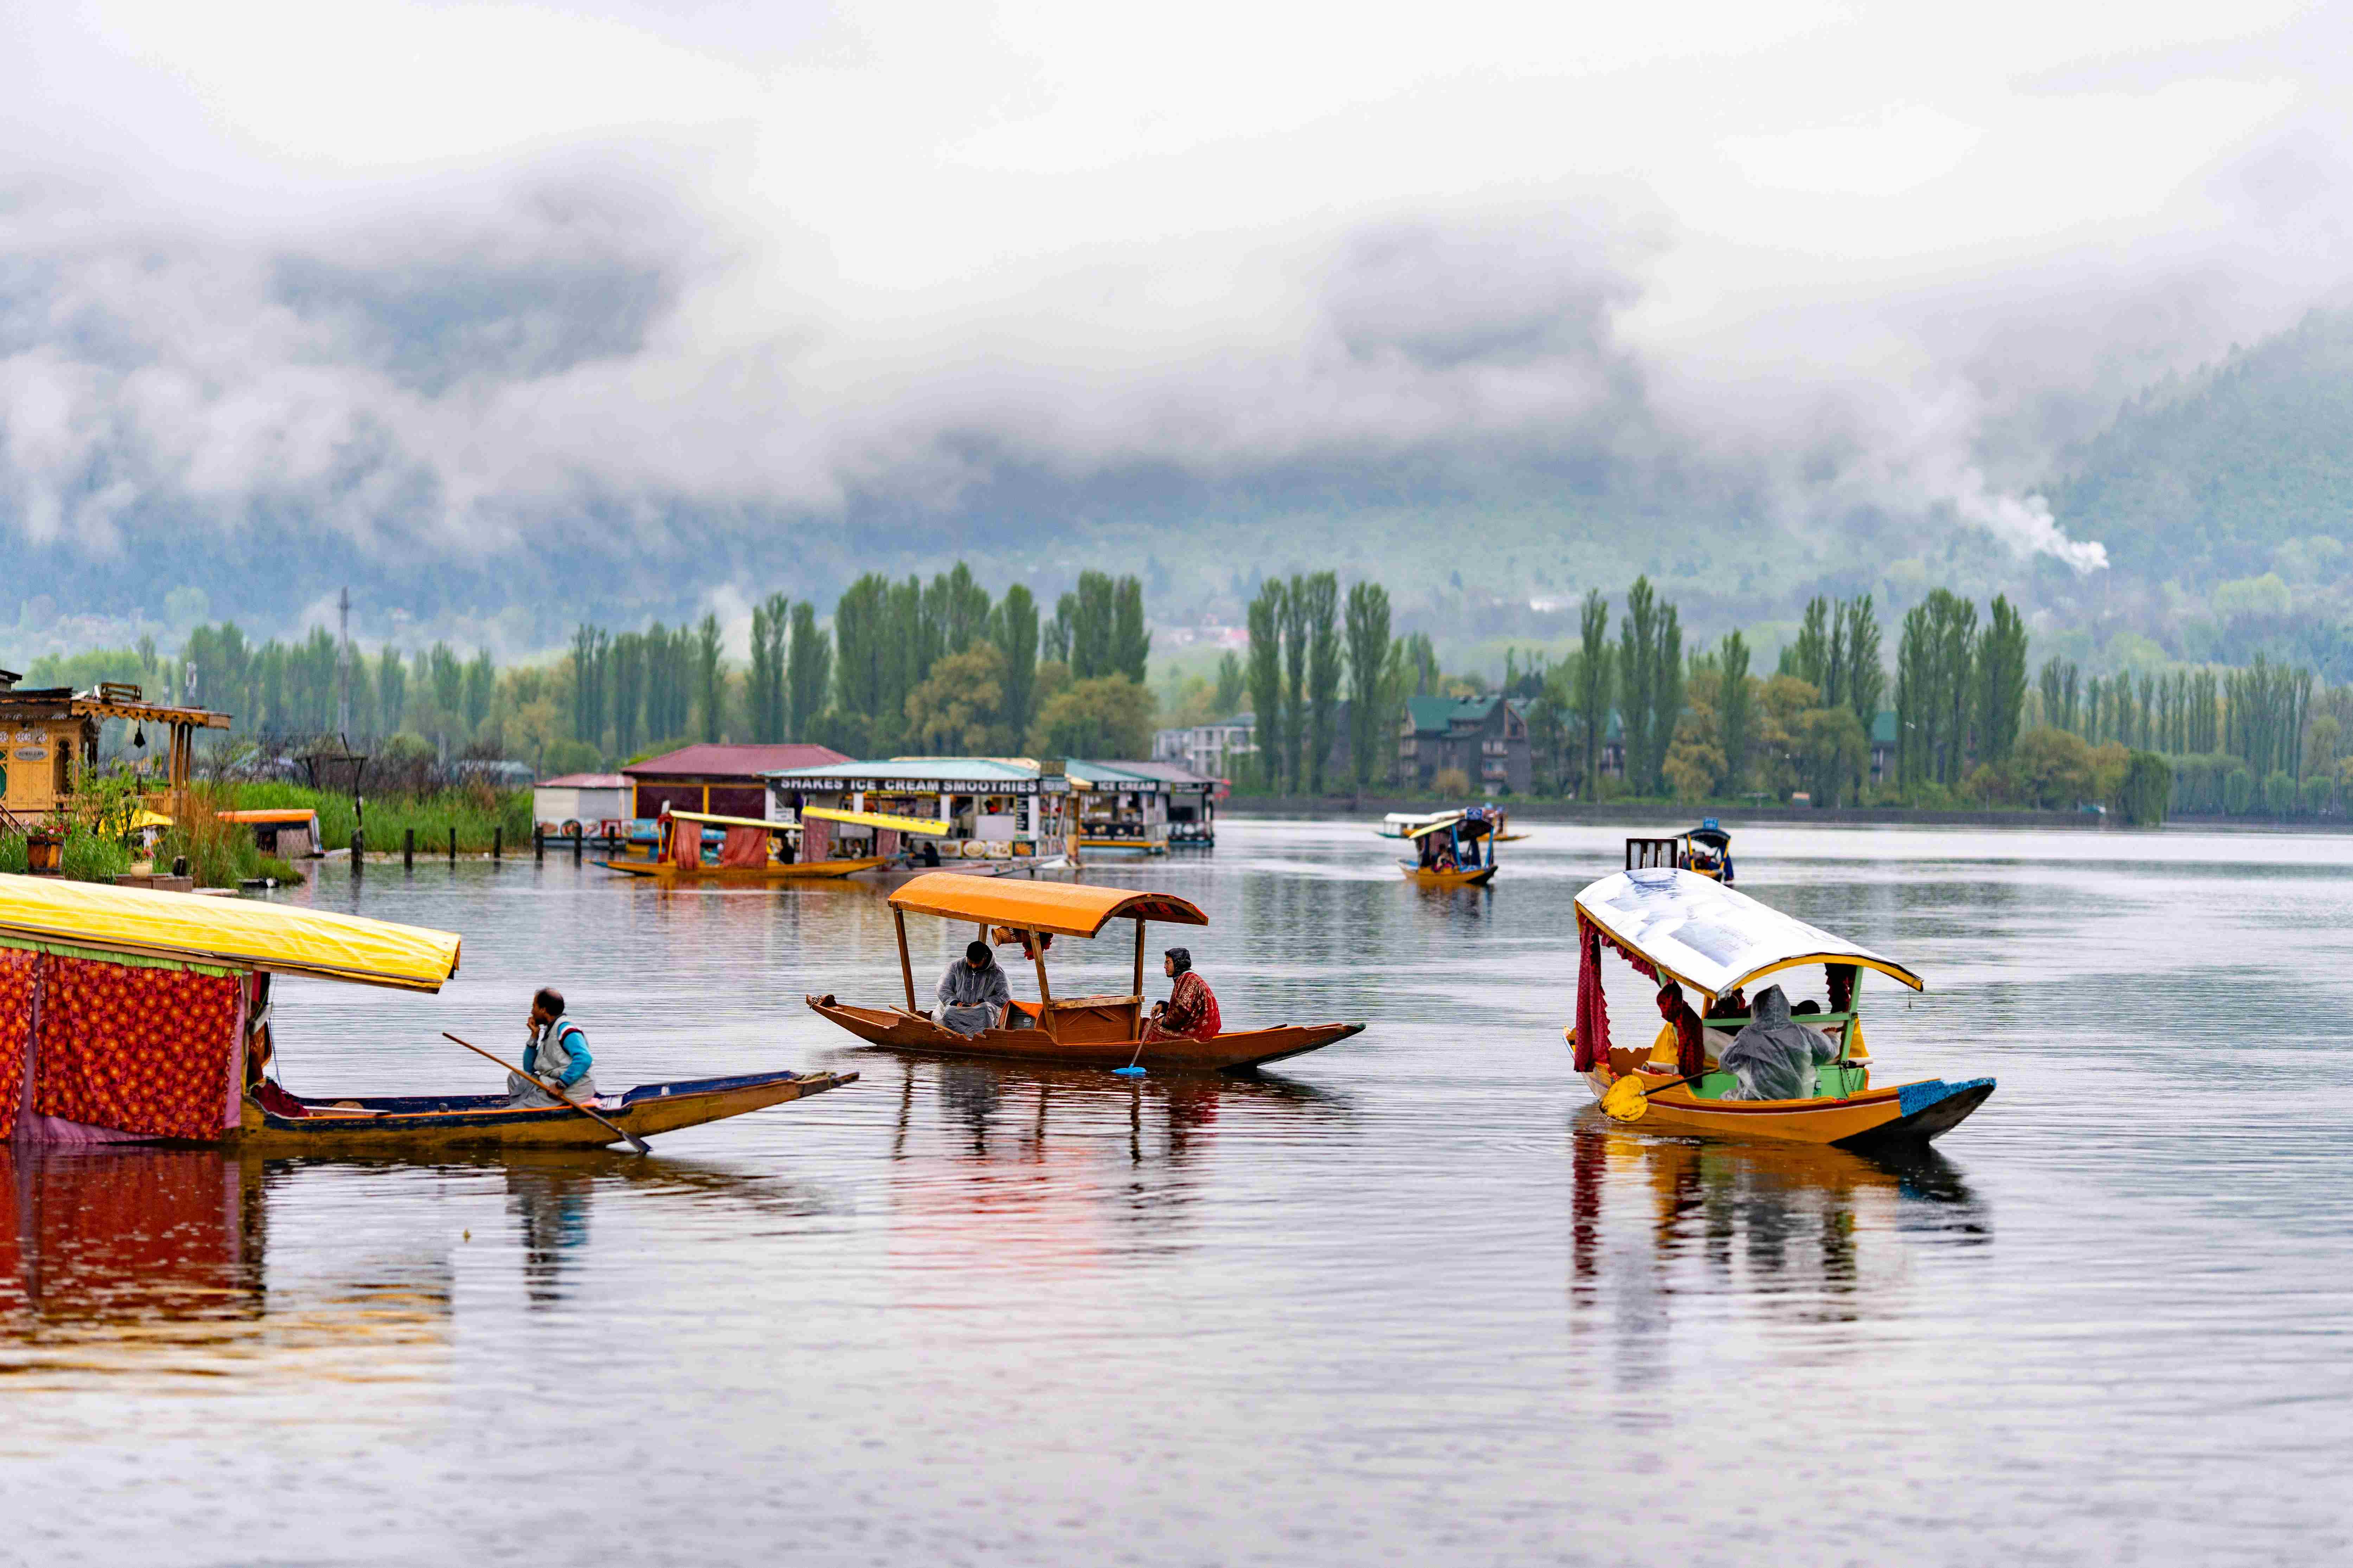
[1453, 849]
[1688, 927]
[775, 862]
[1706, 849]
[147, 1017]
[409, 1122]
[1076, 1031]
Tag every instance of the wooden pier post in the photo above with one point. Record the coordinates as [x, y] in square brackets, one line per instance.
[408, 850]
[359, 850]
[497, 841]
[539, 842]
[576, 841]
[453, 847]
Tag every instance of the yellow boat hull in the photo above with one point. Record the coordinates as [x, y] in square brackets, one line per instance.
[779, 871]
[1906, 1113]
[1477, 877]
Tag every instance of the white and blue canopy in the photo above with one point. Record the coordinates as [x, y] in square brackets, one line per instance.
[1703, 933]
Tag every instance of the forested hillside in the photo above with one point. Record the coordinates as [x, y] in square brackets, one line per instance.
[2226, 502]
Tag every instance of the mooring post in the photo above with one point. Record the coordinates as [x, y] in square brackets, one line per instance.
[576, 844]
[539, 842]
[408, 850]
[359, 850]
[497, 841]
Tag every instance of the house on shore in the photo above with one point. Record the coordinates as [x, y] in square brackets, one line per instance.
[727, 781]
[1485, 737]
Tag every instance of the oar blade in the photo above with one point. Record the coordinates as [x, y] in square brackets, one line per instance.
[1625, 1101]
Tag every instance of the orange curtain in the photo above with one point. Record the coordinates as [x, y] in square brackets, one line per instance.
[150, 1051]
[745, 846]
[685, 843]
[17, 969]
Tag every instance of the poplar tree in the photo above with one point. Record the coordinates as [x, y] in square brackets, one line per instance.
[1266, 617]
[1593, 684]
[1368, 656]
[808, 670]
[1320, 612]
[1013, 627]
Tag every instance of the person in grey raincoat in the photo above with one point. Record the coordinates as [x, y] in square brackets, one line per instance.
[1773, 1057]
[972, 993]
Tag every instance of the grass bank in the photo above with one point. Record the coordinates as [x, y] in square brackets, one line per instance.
[475, 811]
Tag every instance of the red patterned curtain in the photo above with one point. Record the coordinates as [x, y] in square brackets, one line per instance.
[151, 1051]
[1592, 1007]
[18, 968]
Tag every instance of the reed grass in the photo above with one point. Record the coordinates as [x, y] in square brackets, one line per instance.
[476, 811]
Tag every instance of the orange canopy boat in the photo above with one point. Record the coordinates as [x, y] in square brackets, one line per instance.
[1103, 1031]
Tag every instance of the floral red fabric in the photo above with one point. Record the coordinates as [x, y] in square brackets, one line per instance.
[17, 969]
[150, 1051]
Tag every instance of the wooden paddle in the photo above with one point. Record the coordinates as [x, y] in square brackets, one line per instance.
[1627, 1101]
[635, 1142]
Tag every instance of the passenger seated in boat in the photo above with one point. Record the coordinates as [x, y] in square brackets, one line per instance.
[1691, 1050]
[972, 993]
[1774, 1057]
[1191, 1011]
[557, 1050]
[260, 1063]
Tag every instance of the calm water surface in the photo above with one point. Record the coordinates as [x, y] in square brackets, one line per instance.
[1412, 1300]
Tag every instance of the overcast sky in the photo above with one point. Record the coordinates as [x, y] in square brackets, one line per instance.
[438, 272]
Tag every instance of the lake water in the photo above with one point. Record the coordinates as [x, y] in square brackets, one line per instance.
[1413, 1301]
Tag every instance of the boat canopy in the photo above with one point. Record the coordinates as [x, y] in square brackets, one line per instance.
[715, 821]
[1062, 907]
[239, 933]
[1700, 933]
[930, 826]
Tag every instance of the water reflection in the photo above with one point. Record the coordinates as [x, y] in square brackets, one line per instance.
[1811, 1232]
[111, 1259]
[1067, 1165]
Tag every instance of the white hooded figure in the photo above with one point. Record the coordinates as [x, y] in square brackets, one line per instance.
[1774, 1057]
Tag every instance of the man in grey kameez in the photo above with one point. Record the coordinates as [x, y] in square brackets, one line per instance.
[1774, 1057]
[972, 993]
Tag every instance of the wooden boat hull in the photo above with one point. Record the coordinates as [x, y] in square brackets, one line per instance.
[408, 1124]
[1872, 1118]
[1477, 877]
[799, 871]
[894, 1028]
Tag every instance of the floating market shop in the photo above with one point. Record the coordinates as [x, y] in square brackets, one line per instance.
[928, 809]
[1116, 807]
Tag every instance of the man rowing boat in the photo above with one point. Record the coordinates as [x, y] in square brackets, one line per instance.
[557, 1051]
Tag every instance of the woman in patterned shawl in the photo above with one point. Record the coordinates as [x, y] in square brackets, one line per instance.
[1191, 1010]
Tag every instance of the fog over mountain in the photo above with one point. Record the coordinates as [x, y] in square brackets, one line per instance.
[507, 316]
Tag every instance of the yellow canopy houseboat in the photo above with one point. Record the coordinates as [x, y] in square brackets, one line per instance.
[1453, 848]
[1688, 928]
[1098, 1031]
[750, 850]
[145, 1017]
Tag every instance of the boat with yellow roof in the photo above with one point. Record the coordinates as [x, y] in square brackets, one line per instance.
[1687, 929]
[751, 849]
[1100, 1031]
[147, 1017]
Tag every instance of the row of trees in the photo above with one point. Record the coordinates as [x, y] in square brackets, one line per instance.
[299, 688]
[906, 665]
[2261, 714]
